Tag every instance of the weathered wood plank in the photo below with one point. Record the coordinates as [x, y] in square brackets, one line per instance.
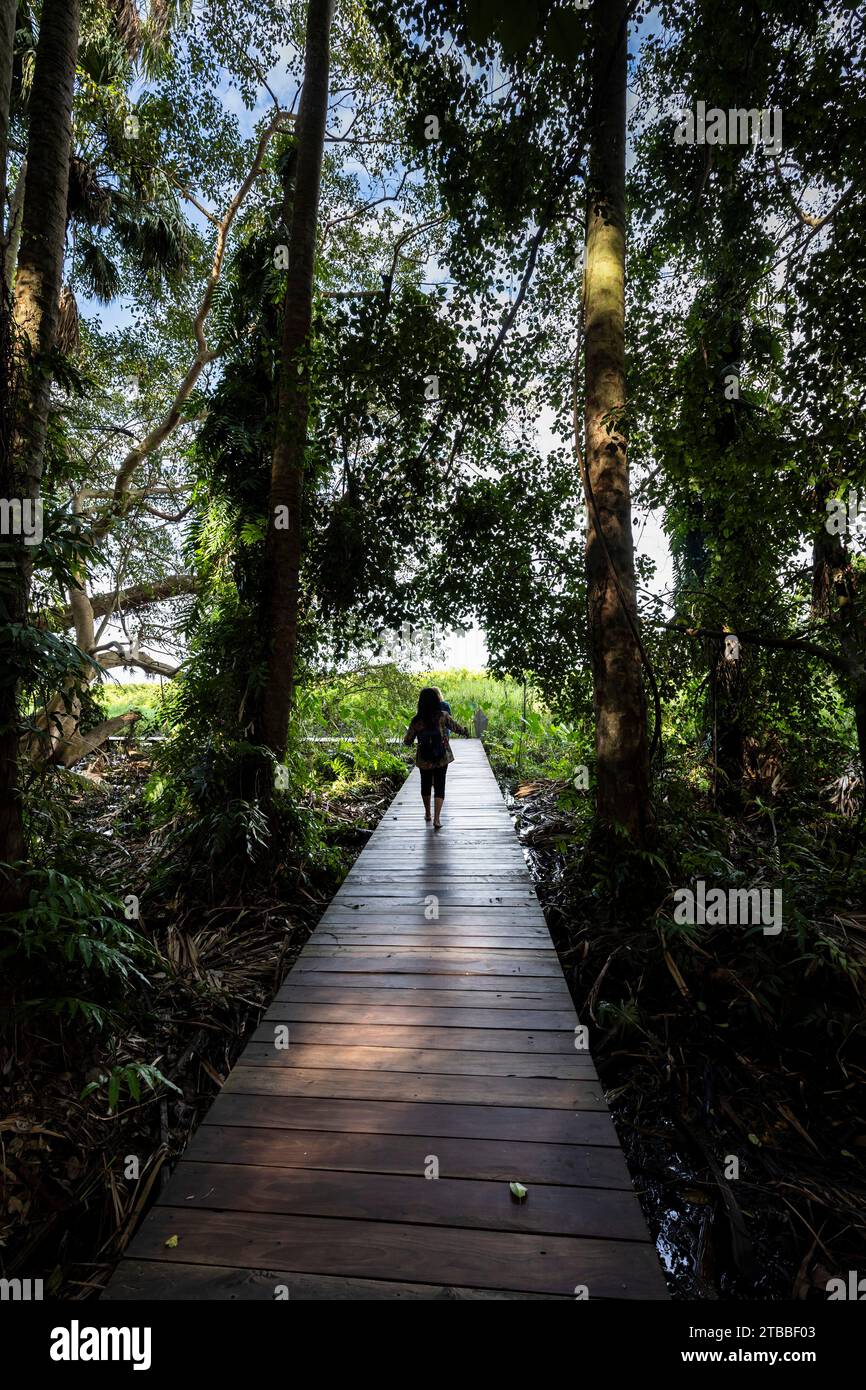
[443, 963]
[415, 1086]
[401, 1035]
[298, 1008]
[442, 1201]
[156, 1281]
[517, 997]
[460, 1121]
[570, 1165]
[385, 1250]
[448, 1062]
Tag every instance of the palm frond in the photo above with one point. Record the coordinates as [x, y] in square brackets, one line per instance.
[158, 238]
[127, 24]
[88, 200]
[98, 273]
[164, 17]
[159, 18]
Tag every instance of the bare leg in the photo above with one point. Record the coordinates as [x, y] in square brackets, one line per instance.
[426, 801]
[437, 810]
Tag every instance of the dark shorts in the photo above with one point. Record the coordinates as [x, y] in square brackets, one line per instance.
[433, 777]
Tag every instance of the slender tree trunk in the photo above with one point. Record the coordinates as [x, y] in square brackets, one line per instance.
[13, 230]
[11, 828]
[860, 725]
[8, 9]
[36, 298]
[283, 544]
[620, 706]
[43, 239]
[730, 678]
[837, 599]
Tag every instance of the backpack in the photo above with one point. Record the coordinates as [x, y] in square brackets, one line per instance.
[431, 744]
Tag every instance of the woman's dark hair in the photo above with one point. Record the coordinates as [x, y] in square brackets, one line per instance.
[429, 704]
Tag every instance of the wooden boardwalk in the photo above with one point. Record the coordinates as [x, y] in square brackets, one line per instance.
[415, 1040]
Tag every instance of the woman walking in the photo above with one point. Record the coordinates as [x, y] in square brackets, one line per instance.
[430, 727]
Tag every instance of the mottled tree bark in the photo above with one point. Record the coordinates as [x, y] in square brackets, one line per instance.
[36, 298]
[283, 544]
[40, 258]
[620, 705]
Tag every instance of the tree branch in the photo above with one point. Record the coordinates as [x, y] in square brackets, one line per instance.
[841, 664]
[134, 598]
[204, 355]
[114, 654]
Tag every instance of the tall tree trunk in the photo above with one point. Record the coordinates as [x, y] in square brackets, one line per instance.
[8, 10]
[43, 239]
[620, 705]
[837, 598]
[729, 678]
[36, 298]
[283, 544]
[860, 726]
[11, 829]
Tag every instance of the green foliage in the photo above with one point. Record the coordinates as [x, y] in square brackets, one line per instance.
[147, 697]
[129, 1077]
[71, 941]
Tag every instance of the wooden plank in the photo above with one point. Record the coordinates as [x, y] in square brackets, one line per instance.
[296, 1008]
[484, 894]
[414, 1086]
[518, 997]
[480, 1259]
[448, 1062]
[405, 854]
[419, 911]
[152, 1281]
[442, 1201]
[508, 955]
[491, 959]
[462, 1121]
[443, 932]
[511, 982]
[485, 913]
[384, 936]
[432, 962]
[380, 979]
[400, 874]
[491, 1039]
[571, 1165]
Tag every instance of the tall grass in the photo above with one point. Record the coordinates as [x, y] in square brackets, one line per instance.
[349, 727]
